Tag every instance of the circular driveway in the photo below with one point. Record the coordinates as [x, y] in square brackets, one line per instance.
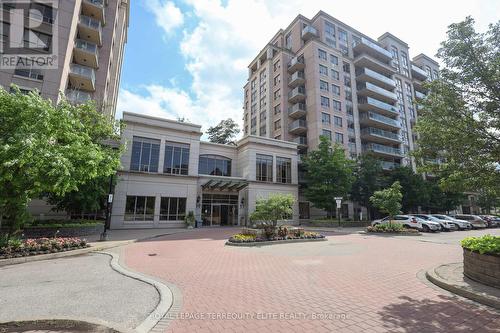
[351, 283]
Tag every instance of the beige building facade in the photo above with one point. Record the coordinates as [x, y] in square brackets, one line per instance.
[321, 77]
[167, 171]
[88, 36]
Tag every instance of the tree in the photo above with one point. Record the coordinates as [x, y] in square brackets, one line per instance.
[46, 148]
[329, 174]
[224, 132]
[488, 200]
[459, 122]
[440, 200]
[388, 200]
[276, 207]
[414, 187]
[368, 179]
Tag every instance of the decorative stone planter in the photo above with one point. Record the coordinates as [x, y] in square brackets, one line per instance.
[483, 268]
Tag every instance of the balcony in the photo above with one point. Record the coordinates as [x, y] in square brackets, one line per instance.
[296, 64]
[389, 165]
[297, 111]
[374, 119]
[298, 126]
[367, 61]
[309, 32]
[370, 90]
[82, 77]
[382, 149]
[418, 86]
[379, 135]
[367, 75]
[297, 79]
[418, 73]
[372, 104]
[94, 9]
[419, 95]
[90, 29]
[86, 53]
[78, 96]
[301, 141]
[297, 94]
[368, 47]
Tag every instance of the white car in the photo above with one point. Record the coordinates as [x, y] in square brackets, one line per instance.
[461, 224]
[445, 224]
[410, 222]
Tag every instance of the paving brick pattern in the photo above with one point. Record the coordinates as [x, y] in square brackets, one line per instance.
[352, 283]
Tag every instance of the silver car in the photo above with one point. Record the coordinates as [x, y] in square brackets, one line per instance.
[461, 224]
[445, 225]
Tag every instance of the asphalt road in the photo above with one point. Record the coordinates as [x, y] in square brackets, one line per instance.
[82, 287]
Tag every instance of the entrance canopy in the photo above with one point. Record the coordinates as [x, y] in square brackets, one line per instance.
[224, 185]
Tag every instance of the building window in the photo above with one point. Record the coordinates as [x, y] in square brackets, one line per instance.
[172, 209]
[334, 60]
[29, 72]
[335, 75]
[435, 74]
[339, 137]
[264, 168]
[346, 68]
[325, 102]
[327, 134]
[337, 121]
[343, 36]
[347, 81]
[277, 80]
[277, 124]
[322, 54]
[323, 70]
[429, 73]
[145, 154]
[323, 85]
[277, 65]
[325, 118]
[283, 170]
[139, 208]
[336, 89]
[277, 109]
[214, 165]
[337, 106]
[176, 160]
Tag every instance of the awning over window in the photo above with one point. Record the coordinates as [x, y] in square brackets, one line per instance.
[224, 185]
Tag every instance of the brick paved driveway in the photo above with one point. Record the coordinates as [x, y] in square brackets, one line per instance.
[360, 283]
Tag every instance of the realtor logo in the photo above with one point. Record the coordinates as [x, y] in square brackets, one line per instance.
[28, 34]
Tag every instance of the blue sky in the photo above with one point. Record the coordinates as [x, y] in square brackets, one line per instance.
[189, 58]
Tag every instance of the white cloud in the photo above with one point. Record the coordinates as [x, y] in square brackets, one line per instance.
[167, 15]
[226, 37]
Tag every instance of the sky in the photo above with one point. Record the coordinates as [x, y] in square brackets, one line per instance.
[189, 58]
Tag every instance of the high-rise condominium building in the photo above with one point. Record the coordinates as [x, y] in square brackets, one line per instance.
[320, 76]
[89, 35]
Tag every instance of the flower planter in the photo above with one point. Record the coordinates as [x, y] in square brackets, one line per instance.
[483, 268]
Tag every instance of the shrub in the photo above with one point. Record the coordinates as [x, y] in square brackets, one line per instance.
[190, 219]
[390, 227]
[486, 244]
[243, 238]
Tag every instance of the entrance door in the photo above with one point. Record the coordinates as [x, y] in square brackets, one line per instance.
[216, 215]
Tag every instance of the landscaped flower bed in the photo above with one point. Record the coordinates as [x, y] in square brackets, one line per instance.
[29, 247]
[395, 228]
[280, 233]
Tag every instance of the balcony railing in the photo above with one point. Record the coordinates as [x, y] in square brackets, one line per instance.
[78, 96]
[90, 22]
[379, 118]
[82, 71]
[378, 148]
[366, 74]
[86, 46]
[419, 95]
[297, 110]
[369, 102]
[296, 63]
[370, 89]
[296, 93]
[365, 45]
[298, 124]
[389, 165]
[296, 78]
[380, 132]
[301, 140]
[418, 73]
[309, 32]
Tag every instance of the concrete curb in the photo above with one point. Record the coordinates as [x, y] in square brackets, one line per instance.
[165, 294]
[284, 241]
[94, 321]
[390, 234]
[483, 298]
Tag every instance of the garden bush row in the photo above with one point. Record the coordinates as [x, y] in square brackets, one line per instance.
[20, 248]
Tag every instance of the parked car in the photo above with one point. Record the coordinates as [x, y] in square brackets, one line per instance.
[445, 224]
[410, 222]
[475, 220]
[461, 224]
[490, 220]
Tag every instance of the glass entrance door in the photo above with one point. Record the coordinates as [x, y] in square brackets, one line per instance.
[219, 209]
[217, 215]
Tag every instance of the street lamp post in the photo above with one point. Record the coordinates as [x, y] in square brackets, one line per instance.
[113, 144]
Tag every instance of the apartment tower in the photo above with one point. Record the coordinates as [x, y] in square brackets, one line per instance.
[321, 77]
[91, 36]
